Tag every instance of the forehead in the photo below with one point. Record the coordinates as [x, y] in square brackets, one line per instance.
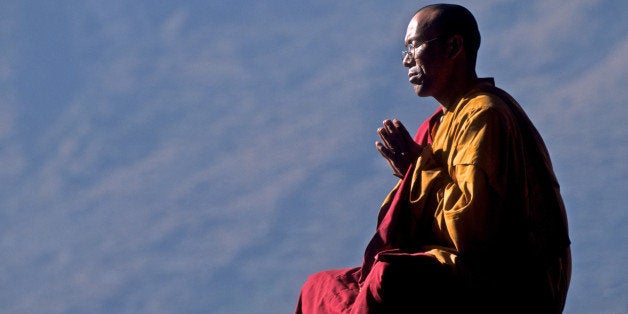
[411, 32]
[419, 27]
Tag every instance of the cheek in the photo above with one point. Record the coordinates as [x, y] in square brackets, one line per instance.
[433, 69]
[426, 65]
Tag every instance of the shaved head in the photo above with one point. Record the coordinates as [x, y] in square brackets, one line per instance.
[449, 20]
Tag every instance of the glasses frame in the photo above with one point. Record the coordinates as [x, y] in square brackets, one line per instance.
[412, 49]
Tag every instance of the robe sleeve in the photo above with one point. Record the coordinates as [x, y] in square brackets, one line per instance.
[470, 210]
[473, 199]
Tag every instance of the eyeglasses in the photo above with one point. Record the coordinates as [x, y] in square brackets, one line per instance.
[412, 49]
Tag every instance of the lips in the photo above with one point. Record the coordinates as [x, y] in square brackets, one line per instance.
[415, 76]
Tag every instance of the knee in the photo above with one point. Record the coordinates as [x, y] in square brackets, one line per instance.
[403, 280]
[387, 275]
[410, 274]
[387, 280]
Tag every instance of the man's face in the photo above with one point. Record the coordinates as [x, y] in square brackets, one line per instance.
[427, 67]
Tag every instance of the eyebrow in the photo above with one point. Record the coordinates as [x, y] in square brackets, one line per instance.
[412, 40]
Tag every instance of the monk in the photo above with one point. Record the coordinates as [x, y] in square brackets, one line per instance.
[476, 223]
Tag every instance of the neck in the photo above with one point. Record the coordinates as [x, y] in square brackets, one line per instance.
[457, 87]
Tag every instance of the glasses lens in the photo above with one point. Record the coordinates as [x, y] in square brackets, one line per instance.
[408, 52]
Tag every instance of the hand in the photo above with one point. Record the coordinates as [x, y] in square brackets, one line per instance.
[397, 146]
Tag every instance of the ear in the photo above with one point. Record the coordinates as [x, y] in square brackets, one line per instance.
[456, 45]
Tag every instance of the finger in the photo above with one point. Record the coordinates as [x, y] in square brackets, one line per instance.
[391, 136]
[384, 151]
[406, 141]
[388, 156]
[390, 127]
[386, 138]
[401, 130]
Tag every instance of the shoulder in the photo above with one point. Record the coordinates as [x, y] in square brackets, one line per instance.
[486, 102]
[479, 106]
[481, 100]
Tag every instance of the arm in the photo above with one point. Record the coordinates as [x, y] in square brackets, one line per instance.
[473, 202]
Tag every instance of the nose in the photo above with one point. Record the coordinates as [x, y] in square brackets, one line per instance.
[408, 61]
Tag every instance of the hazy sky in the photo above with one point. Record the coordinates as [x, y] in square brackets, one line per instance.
[207, 156]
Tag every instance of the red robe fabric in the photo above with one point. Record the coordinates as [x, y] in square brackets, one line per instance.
[385, 237]
[359, 289]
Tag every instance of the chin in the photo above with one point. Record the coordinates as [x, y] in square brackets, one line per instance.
[421, 91]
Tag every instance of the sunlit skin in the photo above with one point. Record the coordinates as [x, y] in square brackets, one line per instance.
[438, 68]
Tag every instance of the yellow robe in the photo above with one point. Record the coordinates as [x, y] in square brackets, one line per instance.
[484, 200]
